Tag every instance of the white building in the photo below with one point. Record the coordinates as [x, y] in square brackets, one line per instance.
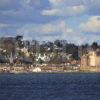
[43, 57]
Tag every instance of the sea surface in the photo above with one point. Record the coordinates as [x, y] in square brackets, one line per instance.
[46, 86]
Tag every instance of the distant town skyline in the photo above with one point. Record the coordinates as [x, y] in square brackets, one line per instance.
[77, 21]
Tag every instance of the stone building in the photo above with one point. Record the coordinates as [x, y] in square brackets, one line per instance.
[91, 59]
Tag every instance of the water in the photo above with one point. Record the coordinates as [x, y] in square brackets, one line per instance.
[43, 86]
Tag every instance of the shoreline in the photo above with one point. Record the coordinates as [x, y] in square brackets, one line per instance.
[29, 70]
[52, 73]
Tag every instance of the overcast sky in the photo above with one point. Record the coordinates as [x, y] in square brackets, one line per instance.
[76, 21]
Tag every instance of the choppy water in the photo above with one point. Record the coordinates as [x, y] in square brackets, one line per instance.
[66, 86]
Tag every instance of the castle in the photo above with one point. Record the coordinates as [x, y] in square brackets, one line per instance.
[91, 59]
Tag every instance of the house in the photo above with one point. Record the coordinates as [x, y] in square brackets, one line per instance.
[91, 59]
[43, 57]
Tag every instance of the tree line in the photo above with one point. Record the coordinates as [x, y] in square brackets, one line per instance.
[11, 47]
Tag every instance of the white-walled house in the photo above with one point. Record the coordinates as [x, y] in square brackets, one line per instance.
[43, 57]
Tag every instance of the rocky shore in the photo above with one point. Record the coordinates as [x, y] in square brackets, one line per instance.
[50, 69]
[31, 69]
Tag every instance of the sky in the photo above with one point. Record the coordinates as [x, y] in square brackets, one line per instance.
[77, 21]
